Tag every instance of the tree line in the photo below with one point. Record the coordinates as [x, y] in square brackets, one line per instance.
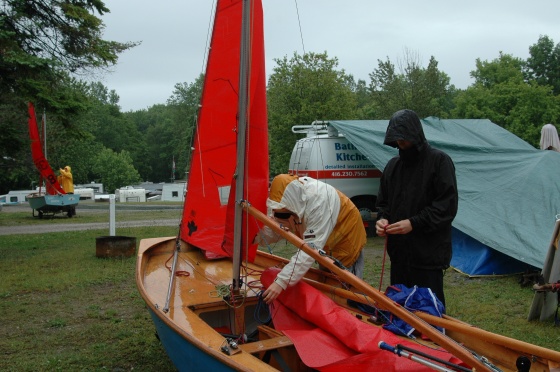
[88, 131]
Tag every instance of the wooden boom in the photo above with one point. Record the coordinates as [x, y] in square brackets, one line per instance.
[388, 304]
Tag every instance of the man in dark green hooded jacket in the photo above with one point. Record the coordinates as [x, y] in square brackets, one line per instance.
[417, 201]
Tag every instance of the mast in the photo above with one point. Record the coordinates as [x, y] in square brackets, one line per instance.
[244, 65]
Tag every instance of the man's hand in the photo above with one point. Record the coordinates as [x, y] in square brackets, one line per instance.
[401, 227]
[380, 227]
[272, 292]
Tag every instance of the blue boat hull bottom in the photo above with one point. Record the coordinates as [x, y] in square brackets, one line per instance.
[183, 354]
[53, 204]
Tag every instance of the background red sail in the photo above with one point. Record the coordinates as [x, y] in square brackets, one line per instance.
[213, 161]
[41, 163]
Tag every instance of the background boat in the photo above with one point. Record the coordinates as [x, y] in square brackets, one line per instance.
[53, 199]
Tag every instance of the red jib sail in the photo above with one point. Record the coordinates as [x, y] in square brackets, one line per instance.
[41, 163]
[213, 161]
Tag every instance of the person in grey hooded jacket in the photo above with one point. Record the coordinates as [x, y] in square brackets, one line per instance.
[417, 201]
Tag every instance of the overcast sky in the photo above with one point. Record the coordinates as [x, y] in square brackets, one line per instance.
[358, 32]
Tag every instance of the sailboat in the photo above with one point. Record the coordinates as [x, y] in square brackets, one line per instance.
[52, 198]
[203, 287]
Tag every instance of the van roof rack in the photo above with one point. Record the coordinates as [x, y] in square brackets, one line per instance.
[317, 127]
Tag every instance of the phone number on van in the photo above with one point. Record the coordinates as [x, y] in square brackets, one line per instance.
[351, 174]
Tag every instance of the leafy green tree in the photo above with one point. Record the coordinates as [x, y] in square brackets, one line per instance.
[44, 40]
[115, 170]
[44, 45]
[504, 69]
[424, 90]
[154, 155]
[501, 95]
[106, 122]
[76, 148]
[112, 128]
[16, 167]
[166, 133]
[301, 90]
[363, 100]
[183, 105]
[159, 139]
[543, 65]
[80, 154]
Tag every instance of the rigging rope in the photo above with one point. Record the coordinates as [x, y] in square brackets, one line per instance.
[300, 30]
[177, 272]
[384, 258]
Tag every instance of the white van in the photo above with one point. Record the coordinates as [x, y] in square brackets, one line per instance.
[326, 155]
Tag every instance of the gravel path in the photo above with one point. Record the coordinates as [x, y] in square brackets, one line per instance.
[40, 229]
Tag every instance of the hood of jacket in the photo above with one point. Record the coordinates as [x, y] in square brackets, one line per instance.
[287, 192]
[405, 125]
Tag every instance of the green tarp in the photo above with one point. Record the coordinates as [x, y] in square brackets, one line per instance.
[509, 192]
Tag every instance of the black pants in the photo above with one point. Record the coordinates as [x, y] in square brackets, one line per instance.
[410, 276]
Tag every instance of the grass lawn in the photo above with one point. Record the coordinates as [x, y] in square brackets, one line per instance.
[64, 309]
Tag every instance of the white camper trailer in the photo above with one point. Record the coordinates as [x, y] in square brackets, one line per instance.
[174, 191]
[97, 187]
[130, 194]
[15, 197]
[85, 193]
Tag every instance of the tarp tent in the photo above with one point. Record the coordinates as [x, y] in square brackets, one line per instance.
[509, 192]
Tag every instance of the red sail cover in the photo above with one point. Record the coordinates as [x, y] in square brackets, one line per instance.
[328, 338]
[41, 163]
[213, 160]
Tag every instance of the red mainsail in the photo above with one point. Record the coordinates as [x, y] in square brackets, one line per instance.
[41, 163]
[211, 182]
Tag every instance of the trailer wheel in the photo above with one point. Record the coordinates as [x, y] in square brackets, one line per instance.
[366, 206]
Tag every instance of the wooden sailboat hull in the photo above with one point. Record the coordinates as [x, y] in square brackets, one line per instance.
[184, 354]
[189, 330]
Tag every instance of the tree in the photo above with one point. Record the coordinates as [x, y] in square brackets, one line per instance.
[115, 170]
[43, 40]
[105, 121]
[504, 69]
[543, 65]
[76, 148]
[501, 95]
[44, 45]
[184, 104]
[153, 157]
[159, 140]
[424, 90]
[301, 90]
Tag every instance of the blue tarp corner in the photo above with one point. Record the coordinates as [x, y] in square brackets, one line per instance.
[473, 258]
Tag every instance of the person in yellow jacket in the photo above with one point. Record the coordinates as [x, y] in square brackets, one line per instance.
[66, 180]
[324, 218]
